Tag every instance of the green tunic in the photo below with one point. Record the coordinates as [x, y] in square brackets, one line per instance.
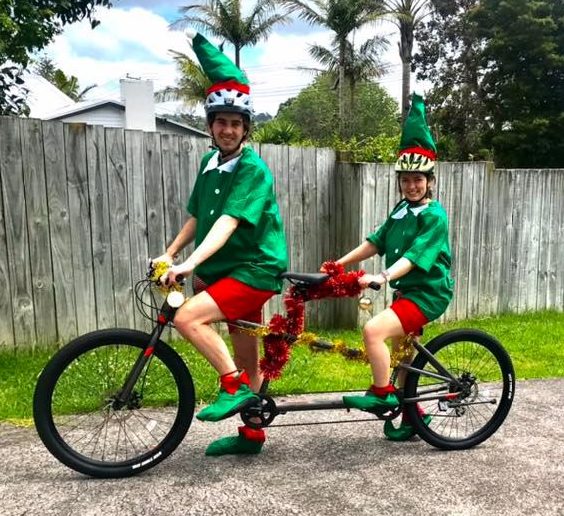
[419, 234]
[242, 188]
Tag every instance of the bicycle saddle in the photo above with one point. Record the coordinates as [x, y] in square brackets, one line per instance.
[309, 278]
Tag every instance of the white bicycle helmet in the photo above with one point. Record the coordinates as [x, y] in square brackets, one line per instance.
[229, 100]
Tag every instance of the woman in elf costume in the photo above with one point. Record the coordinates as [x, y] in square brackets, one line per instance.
[414, 240]
[240, 248]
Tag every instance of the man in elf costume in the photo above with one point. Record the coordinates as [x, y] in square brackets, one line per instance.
[240, 248]
[414, 240]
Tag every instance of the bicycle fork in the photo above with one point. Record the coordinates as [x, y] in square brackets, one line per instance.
[165, 316]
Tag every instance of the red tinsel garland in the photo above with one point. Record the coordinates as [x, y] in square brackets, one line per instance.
[276, 347]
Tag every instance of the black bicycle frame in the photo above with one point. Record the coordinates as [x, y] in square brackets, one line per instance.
[165, 316]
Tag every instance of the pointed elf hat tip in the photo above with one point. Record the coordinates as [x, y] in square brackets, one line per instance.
[416, 136]
[220, 70]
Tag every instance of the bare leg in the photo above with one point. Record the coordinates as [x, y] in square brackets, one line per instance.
[246, 350]
[193, 320]
[381, 327]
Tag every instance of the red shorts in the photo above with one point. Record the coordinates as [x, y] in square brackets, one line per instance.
[236, 299]
[410, 315]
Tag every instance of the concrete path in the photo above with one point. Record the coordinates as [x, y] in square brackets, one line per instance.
[336, 469]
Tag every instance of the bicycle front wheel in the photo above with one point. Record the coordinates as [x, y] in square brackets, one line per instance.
[82, 420]
[478, 401]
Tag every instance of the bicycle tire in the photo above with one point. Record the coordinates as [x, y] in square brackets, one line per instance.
[488, 383]
[74, 389]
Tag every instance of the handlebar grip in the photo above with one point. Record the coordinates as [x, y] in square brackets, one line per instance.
[374, 286]
[179, 278]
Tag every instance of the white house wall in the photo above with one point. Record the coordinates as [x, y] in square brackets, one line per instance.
[107, 116]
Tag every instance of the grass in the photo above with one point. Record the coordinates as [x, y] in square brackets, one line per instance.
[535, 342]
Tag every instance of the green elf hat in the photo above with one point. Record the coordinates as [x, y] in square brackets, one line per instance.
[417, 148]
[230, 91]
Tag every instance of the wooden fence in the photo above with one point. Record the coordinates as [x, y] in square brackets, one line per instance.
[83, 207]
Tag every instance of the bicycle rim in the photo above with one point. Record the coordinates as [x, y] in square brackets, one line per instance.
[483, 368]
[85, 426]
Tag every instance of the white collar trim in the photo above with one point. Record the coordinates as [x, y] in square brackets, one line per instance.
[403, 212]
[228, 166]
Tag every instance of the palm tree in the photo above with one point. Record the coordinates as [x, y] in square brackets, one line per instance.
[406, 15]
[192, 85]
[342, 17]
[359, 65]
[69, 85]
[223, 19]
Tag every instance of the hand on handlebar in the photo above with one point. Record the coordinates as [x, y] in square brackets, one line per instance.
[176, 274]
[371, 280]
[165, 258]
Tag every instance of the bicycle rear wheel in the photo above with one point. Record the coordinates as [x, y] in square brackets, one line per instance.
[80, 420]
[486, 385]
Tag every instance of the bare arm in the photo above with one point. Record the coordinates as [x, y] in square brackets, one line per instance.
[184, 237]
[362, 252]
[219, 233]
[397, 270]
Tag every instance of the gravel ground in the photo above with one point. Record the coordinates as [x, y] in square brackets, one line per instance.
[334, 469]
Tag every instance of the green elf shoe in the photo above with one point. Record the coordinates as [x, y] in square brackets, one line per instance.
[234, 395]
[404, 432]
[248, 442]
[371, 401]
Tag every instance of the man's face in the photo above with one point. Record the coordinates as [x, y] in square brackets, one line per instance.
[228, 130]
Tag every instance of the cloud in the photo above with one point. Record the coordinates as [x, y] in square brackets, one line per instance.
[135, 41]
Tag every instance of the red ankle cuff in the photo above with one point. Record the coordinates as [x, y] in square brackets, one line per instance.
[230, 382]
[382, 391]
[252, 434]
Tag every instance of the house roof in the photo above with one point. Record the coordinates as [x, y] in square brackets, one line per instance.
[86, 106]
[43, 97]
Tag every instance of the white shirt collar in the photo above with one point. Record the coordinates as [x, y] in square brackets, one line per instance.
[403, 212]
[228, 166]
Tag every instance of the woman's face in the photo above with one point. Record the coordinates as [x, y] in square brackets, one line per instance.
[413, 185]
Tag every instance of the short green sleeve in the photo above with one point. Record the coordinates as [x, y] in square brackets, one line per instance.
[378, 238]
[429, 242]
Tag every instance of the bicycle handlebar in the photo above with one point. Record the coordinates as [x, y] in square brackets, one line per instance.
[374, 286]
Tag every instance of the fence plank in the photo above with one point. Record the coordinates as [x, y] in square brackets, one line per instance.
[16, 232]
[100, 224]
[6, 323]
[135, 172]
[154, 194]
[295, 209]
[508, 259]
[173, 200]
[35, 193]
[81, 236]
[60, 230]
[476, 226]
[119, 222]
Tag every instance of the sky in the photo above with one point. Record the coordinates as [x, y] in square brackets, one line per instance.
[134, 39]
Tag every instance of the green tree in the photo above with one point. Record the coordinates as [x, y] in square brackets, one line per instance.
[523, 79]
[407, 15]
[67, 84]
[342, 17]
[27, 26]
[315, 111]
[224, 19]
[449, 58]
[359, 65]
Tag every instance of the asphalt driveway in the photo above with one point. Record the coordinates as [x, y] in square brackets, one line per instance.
[335, 469]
